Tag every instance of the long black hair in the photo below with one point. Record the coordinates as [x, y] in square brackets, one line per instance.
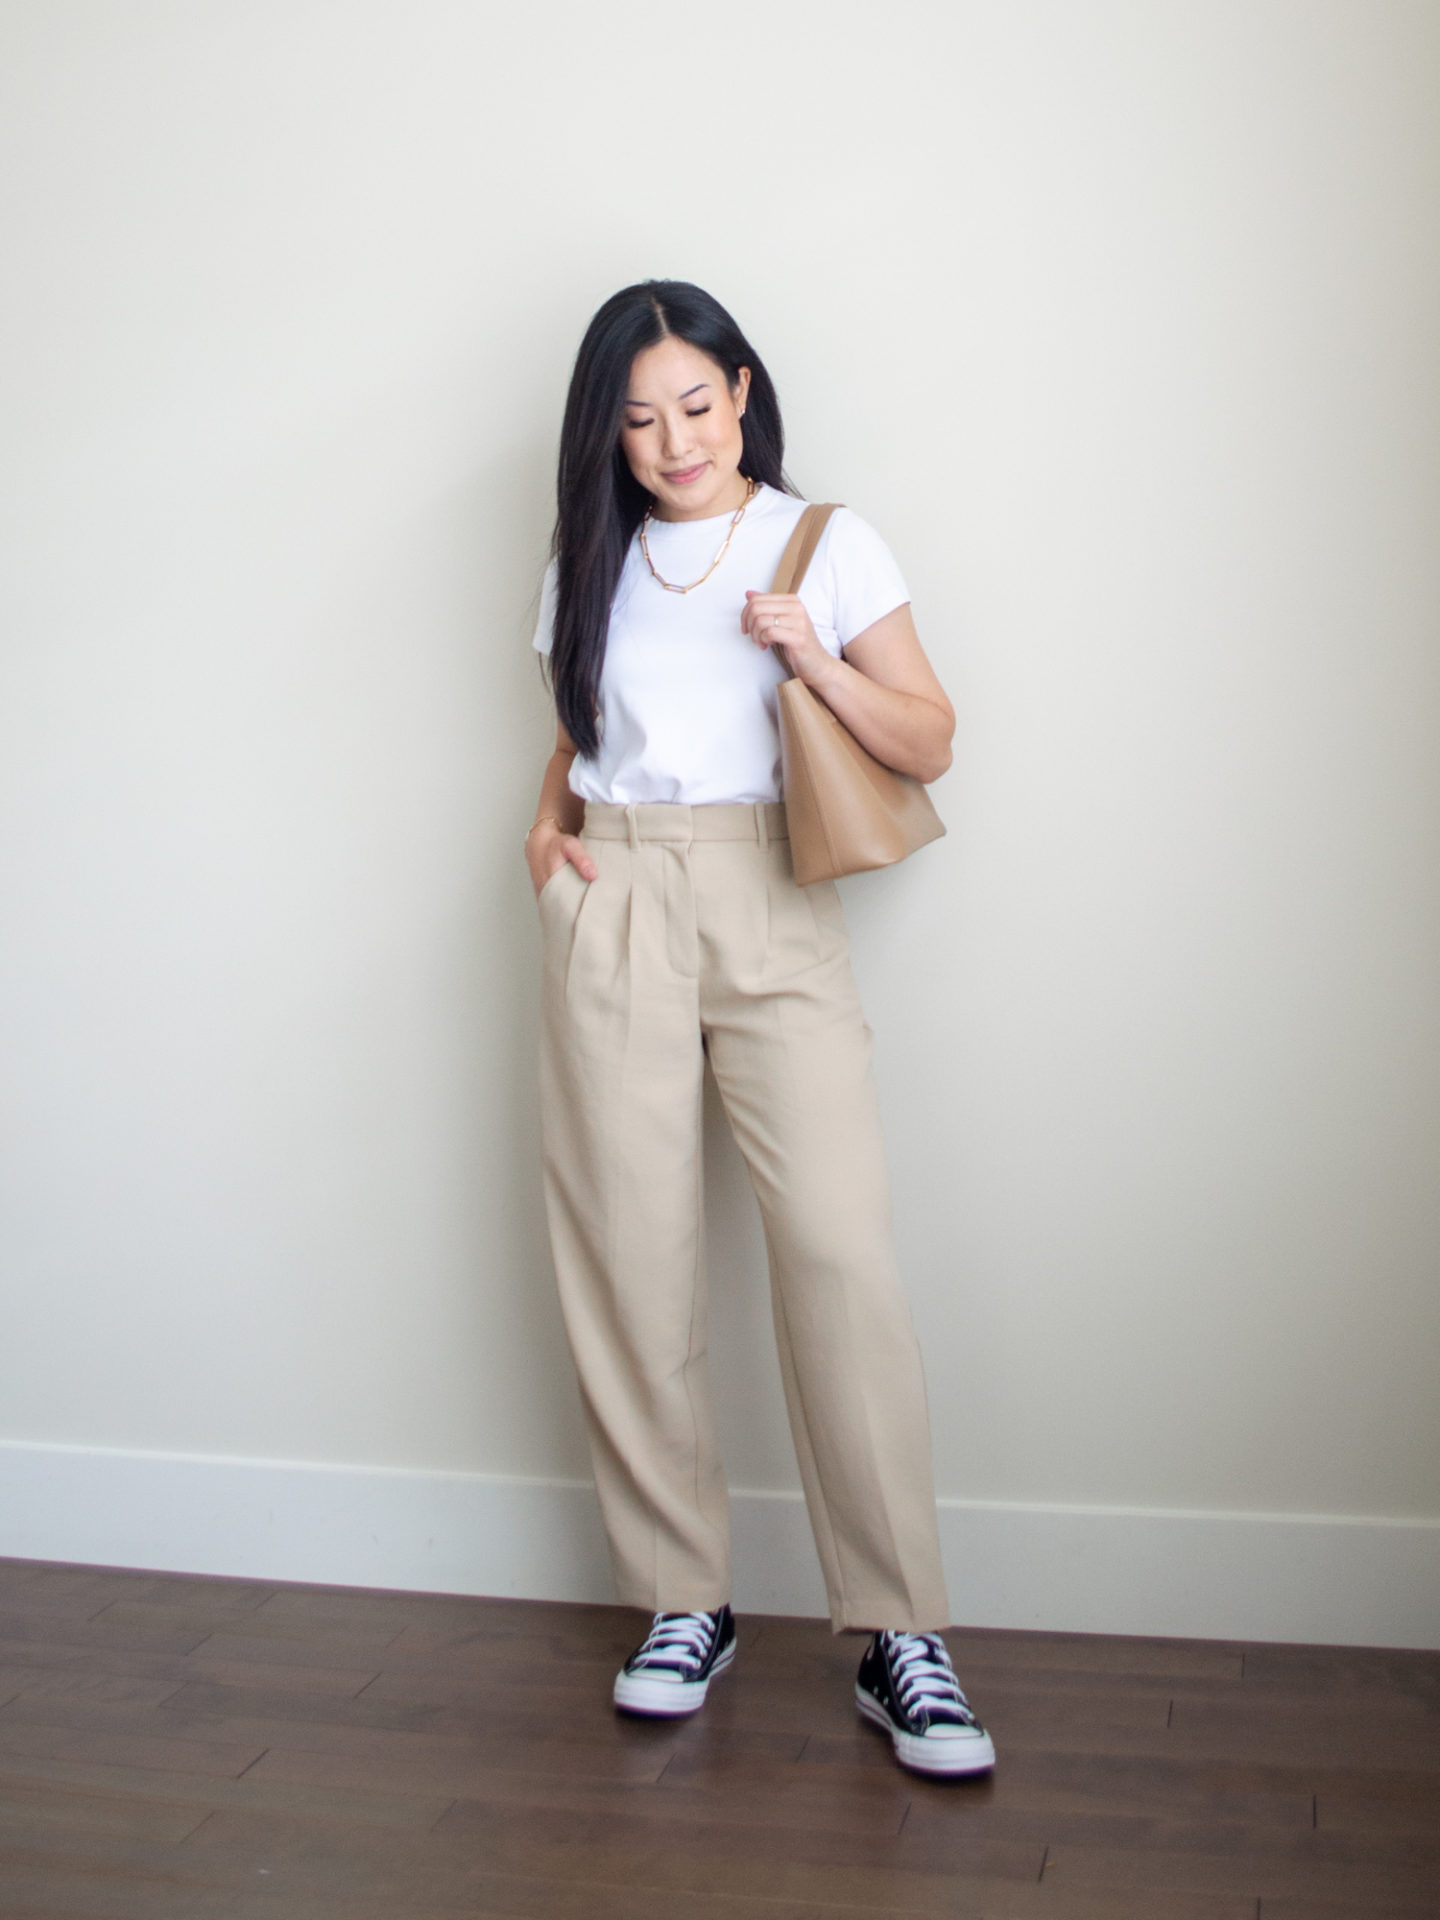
[599, 501]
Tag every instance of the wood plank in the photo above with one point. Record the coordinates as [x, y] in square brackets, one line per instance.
[1388, 1804]
[1329, 1670]
[200, 1593]
[67, 1896]
[45, 1627]
[1302, 1731]
[263, 1710]
[313, 1883]
[731, 1800]
[384, 1738]
[455, 1769]
[99, 1876]
[316, 1886]
[443, 1613]
[737, 1855]
[1091, 1784]
[27, 1912]
[52, 1654]
[294, 1649]
[458, 1647]
[346, 1636]
[1158, 1870]
[933, 1824]
[567, 1684]
[48, 1656]
[1286, 1907]
[743, 1700]
[833, 1871]
[67, 1900]
[477, 1657]
[550, 1900]
[342, 1683]
[59, 1597]
[942, 1817]
[110, 1689]
[206, 1792]
[29, 1811]
[125, 1746]
[545, 1901]
[514, 1704]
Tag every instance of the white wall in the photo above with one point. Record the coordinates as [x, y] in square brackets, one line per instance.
[1120, 321]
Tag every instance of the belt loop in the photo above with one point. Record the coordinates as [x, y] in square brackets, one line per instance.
[633, 823]
[762, 823]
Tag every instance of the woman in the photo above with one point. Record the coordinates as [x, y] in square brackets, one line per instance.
[673, 930]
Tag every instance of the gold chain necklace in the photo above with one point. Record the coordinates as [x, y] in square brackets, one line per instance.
[752, 487]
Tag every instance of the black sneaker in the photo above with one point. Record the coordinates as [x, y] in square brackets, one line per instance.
[907, 1685]
[670, 1671]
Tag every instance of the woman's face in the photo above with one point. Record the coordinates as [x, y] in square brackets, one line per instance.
[681, 431]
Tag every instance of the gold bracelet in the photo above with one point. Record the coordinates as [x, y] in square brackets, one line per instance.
[540, 823]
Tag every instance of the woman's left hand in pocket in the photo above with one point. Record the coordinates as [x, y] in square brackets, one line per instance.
[780, 620]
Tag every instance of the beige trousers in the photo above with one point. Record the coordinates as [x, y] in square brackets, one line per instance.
[695, 940]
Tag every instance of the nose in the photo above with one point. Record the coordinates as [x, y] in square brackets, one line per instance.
[677, 438]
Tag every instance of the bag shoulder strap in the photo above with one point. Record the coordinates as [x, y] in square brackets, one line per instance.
[795, 561]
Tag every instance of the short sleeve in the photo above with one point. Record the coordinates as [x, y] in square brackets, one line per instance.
[545, 625]
[865, 579]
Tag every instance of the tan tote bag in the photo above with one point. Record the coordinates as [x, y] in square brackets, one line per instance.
[846, 811]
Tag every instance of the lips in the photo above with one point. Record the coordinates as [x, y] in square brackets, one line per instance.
[685, 475]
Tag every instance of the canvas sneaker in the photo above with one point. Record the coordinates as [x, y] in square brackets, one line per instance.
[670, 1672]
[907, 1685]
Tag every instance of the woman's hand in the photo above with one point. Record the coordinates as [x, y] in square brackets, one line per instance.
[548, 849]
[780, 620]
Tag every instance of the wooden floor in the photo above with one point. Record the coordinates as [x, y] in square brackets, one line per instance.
[225, 1750]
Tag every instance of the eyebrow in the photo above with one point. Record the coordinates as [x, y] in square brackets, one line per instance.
[684, 396]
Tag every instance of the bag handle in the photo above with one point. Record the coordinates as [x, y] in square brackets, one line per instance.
[795, 561]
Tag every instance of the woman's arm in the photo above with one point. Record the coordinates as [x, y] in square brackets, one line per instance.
[562, 813]
[884, 690]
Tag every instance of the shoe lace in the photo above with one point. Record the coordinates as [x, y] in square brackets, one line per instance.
[680, 1642]
[925, 1680]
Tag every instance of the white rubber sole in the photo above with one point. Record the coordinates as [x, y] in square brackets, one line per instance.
[952, 1754]
[666, 1699]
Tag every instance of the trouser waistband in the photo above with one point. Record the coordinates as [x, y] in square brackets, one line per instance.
[760, 820]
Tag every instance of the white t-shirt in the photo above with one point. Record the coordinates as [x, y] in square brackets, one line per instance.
[687, 700]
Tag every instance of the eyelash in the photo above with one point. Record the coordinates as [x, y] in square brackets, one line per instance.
[693, 412]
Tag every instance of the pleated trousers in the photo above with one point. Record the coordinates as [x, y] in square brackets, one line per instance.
[695, 940]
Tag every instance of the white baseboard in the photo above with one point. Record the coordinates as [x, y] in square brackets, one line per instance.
[1232, 1576]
